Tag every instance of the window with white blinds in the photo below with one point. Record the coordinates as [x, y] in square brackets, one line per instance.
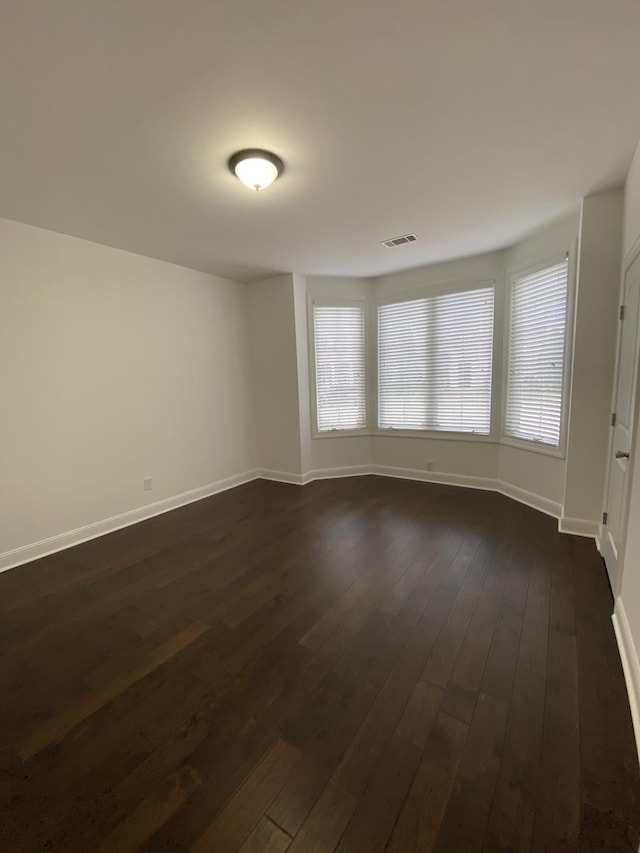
[435, 362]
[340, 371]
[535, 369]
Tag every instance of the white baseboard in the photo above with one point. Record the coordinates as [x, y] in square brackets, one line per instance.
[335, 473]
[573, 526]
[281, 477]
[36, 550]
[316, 474]
[466, 481]
[18, 556]
[469, 482]
[630, 664]
[545, 505]
[579, 527]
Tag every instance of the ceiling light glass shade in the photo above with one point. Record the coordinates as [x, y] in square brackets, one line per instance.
[256, 173]
[256, 169]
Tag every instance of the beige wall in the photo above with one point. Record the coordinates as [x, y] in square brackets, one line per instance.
[274, 375]
[338, 452]
[114, 367]
[594, 351]
[302, 371]
[538, 474]
[628, 605]
[631, 227]
[547, 242]
[471, 459]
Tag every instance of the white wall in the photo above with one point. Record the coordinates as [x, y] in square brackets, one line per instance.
[302, 370]
[628, 603]
[114, 367]
[472, 269]
[274, 375]
[448, 458]
[594, 351]
[631, 225]
[545, 243]
[532, 475]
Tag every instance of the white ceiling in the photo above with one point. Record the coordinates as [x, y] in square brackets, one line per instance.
[470, 122]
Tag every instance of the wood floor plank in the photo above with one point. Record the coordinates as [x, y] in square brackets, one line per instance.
[499, 672]
[535, 630]
[607, 760]
[266, 837]
[475, 782]
[336, 614]
[152, 813]
[419, 821]
[513, 809]
[558, 801]
[326, 723]
[440, 663]
[324, 826]
[349, 665]
[57, 727]
[357, 766]
[439, 549]
[82, 796]
[232, 826]
[379, 807]
[126, 799]
[508, 629]
[223, 773]
[463, 688]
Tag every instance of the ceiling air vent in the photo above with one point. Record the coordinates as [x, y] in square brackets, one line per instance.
[399, 241]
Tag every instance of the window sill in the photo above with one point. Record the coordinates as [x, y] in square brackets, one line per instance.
[341, 433]
[437, 435]
[533, 447]
[407, 433]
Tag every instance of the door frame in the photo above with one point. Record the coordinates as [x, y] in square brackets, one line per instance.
[627, 262]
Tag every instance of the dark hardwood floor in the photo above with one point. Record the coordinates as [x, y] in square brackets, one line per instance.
[356, 665]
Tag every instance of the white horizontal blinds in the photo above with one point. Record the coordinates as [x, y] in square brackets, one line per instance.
[340, 367]
[434, 362]
[536, 355]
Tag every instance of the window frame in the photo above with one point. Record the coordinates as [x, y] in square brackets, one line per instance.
[337, 303]
[441, 288]
[514, 274]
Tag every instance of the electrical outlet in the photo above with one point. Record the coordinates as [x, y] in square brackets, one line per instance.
[148, 483]
[430, 465]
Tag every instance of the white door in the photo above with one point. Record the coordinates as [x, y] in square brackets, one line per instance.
[619, 467]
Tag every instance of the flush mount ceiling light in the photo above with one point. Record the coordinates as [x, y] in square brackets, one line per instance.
[256, 168]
